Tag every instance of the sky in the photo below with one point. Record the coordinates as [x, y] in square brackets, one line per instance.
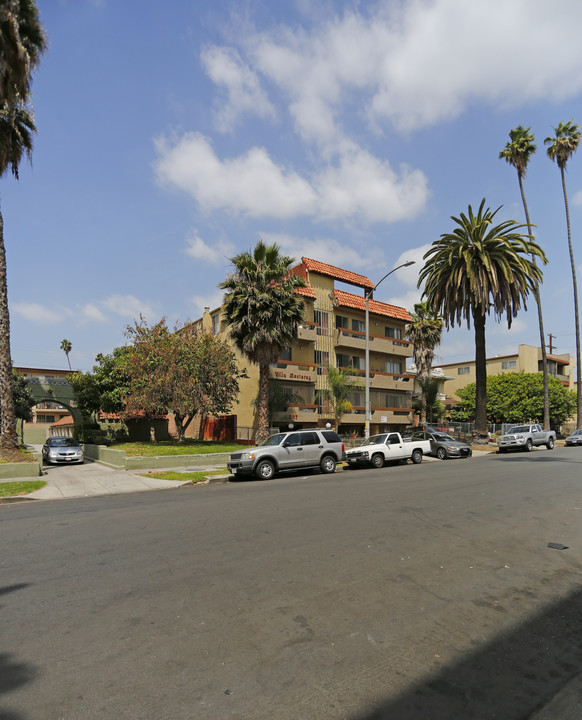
[172, 136]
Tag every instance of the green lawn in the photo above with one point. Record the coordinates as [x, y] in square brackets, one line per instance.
[195, 477]
[23, 487]
[171, 447]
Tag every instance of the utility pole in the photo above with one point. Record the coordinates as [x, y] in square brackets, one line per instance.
[551, 348]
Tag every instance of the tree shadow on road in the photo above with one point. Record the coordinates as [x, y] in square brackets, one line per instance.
[508, 678]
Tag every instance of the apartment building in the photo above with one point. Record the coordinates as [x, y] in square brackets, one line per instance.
[332, 333]
[528, 359]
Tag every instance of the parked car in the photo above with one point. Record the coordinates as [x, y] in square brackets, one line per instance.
[62, 450]
[387, 447]
[288, 451]
[444, 446]
[525, 437]
[575, 438]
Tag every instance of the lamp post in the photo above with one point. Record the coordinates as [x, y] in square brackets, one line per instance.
[367, 296]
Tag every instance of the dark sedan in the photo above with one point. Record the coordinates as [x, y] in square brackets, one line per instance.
[444, 446]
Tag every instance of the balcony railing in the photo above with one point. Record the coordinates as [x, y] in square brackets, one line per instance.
[307, 331]
[378, 343]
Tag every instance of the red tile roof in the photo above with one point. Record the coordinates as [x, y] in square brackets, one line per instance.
[350, 300]
[64, 421]
[307, 291]
[346, 276]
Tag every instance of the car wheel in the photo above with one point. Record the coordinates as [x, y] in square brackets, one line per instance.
[550, 444]
[441, 454]
[377, 460]
[416, 457]
[502, 450]
[265, 470]
[529, 445]
[327, 464]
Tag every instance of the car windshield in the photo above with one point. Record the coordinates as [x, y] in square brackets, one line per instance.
[577, 432]
[441, 437]
[273, 440]
[518, 429]
[376, 440]
[63, 442]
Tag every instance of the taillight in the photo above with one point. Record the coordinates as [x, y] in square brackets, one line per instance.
[343, 448]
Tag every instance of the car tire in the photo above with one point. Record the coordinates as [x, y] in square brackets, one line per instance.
[327, 464]
[550, 444]
[265, 470]
[529, 445]
[502, 450]
[377, 460]
[416, 456]
[441, 453]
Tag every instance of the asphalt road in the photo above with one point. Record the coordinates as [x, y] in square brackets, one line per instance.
[422, 592]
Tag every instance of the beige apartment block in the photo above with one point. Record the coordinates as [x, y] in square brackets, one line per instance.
[528, 359]
[332, 333]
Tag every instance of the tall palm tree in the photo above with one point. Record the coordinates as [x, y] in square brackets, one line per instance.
[66, 347]
[262, 311]
[477, 269]
[518, 152]
[22, 42]
[561, 148]
[424, 330]
[340, 383]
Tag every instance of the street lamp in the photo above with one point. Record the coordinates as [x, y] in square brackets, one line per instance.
[367, 296]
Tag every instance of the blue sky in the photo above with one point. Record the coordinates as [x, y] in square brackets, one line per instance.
[174, 135]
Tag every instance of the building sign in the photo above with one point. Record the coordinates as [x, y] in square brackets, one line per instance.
[287, 375]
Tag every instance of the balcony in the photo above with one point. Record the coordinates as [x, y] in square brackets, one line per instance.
[301, 413]
[293, 372]
[307, 331]
[380, 416]
[391, 381]
[378, 343]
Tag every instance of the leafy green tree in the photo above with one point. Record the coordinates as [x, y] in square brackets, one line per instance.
[424, 330]
[561, 148]
[181, 371]
[477, 269]
[517, 397]
[23, 399]
[263, 312]
[22, 42]
[433, 406]
[105, 387]
[66, 347]
[340, 383]
[518, 153]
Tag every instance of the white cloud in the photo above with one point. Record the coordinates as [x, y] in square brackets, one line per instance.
[127, 306]
[577, 198]
[252, 184]
[213, 300]
[34, 312]
[240, 85]
[215, 253]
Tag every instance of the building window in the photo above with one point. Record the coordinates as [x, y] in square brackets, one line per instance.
[393, 366]
[359, 363]
[216, 324]
[508, 364]
[321, 358]
[342, 322]
[343, 361]
[463, 370]
[286, 354]
[321, 318]
[392, 332]
[359, 326]
[358, 399]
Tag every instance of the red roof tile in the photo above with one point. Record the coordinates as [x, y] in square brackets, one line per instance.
[346, 276]
[64, 421]
[350, 300]
[307, 291]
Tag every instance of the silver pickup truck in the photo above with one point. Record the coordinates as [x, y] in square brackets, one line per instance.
[526, 437]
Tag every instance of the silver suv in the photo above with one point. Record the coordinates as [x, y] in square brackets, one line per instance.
[287, 451]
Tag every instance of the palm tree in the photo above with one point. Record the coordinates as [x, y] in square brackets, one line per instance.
[263, 311]
[561, 148]
[340, 383]
[474, 270]
[518, 152]
[22, 42]
[424, 330]
[66, 347]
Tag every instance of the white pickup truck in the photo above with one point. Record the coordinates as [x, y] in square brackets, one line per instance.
[387, 447]
[525, 437]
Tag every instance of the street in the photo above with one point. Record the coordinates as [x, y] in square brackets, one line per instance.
[417, 592]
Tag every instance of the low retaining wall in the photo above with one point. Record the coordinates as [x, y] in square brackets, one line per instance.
[20, 470]
[118, 460]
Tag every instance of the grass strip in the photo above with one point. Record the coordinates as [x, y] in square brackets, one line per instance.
[23, 487]
[194, 477]
[169, 447]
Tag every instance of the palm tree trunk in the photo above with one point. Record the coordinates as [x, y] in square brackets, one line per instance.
[576, 315]
[536, 293]
[480, 433]
[263, 430]
[8, 434]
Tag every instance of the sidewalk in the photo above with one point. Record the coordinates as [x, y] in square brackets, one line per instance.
[93, 479]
